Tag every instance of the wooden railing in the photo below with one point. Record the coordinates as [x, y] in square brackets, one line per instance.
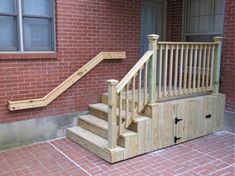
[187, 68]
[124, 94]
[166, 70]
[44, 101]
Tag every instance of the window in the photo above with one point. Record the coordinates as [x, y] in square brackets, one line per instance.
[204, 19]
[27, 25]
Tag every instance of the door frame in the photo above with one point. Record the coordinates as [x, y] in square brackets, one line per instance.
[164, 25]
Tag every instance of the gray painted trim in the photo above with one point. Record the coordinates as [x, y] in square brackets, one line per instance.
[184, 23]
[164, 28]
[21, 133]
[229, 121]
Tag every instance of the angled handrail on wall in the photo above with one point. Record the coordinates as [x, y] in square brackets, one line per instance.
[44, 101]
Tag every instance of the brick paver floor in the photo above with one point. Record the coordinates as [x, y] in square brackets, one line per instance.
[210, 155]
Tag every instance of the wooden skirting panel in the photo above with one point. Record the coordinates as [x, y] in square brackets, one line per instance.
[181, 120]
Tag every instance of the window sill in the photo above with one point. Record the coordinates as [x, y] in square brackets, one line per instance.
[30, 55]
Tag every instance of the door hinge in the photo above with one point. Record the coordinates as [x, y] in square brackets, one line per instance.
[176, 139]
[177, 120]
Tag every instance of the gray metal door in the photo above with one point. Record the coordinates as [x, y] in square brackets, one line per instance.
[152, 21]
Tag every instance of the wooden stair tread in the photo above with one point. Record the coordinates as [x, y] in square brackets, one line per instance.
[100, 123]
[95, 144]
[95, 121]
[104, 108]
[89, 136]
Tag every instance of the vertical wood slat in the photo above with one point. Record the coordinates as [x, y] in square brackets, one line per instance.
[190, 69]
[204, 67]
[208, 67]
[171, 70]
[199, 69]
[181, 69]
[133, 98]
[127, 106]
[160, 74]
[165, 71]
[186, 70]
[176, 70]
[195, 68]
[145, 83]
[212, 67]
[139, 90]
[120, 112]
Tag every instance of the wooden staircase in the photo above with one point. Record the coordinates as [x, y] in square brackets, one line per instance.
[135, 116]
[92, 133]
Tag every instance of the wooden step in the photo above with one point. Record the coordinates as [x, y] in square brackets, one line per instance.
[101, 110]
[95, 144]
[100, 128]
[94, 124]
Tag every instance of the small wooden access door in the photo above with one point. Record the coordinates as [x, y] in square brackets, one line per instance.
[153, 21]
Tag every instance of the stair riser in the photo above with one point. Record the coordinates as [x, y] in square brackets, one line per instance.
[98, 113]
[99, 131]
[93, 128]
[104, 115]
[90, 146]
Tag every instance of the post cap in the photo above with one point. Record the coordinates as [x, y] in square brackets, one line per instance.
[153, 37]
[218, 39]
[112, 82]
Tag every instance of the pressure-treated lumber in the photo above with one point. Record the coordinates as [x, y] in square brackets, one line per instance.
[134, 70]
[41, 102]
[95, 144]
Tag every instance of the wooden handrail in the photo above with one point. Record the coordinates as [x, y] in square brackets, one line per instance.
[187, 43]
[134, 70]
[44, 101]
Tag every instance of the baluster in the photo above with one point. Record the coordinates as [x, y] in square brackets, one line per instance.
[160, 74]
[186, 69]
[199, 69]
[176, 69]
[190, 69]
[145, 83]
[204, 67]
[212, 67]
[139, 91]
[127, 106]
[195, 68]
[171, 70]
[208, 67]
[165, 71]
[120, 112]
[181, 69]
[133, 98]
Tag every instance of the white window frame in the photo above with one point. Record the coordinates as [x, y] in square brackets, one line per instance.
[20, 35]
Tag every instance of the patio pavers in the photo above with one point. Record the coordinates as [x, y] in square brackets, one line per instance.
[210, 155]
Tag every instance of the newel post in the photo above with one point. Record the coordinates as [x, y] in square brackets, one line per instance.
[217, 63]
[112, 113]
[153, 68]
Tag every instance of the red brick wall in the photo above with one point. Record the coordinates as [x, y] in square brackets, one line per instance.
[228, 60]
[174, 20]
[84, 28]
